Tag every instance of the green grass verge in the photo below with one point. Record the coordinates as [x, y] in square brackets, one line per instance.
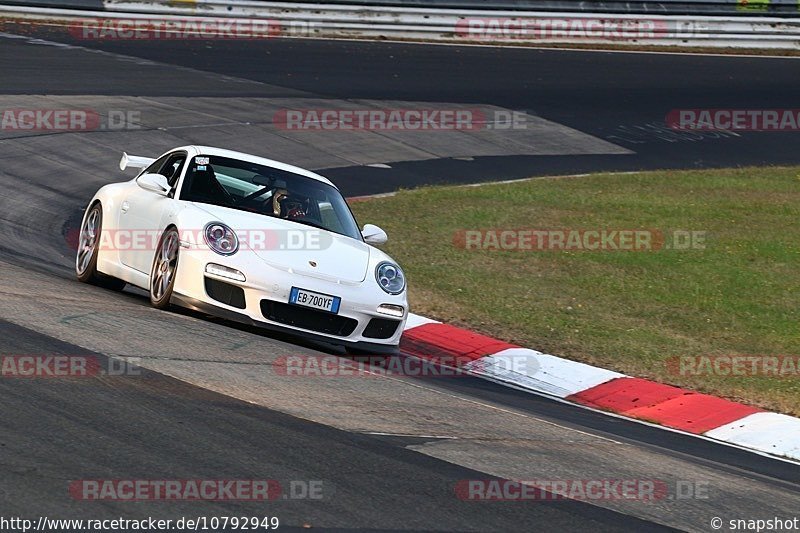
[628, 311]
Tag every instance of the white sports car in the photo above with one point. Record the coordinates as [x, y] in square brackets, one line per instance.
[249, 239]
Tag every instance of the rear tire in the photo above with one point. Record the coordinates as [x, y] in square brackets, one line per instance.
[165, 269]
[88, 247]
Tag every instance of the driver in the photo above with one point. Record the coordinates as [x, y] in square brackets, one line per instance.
[291, 206]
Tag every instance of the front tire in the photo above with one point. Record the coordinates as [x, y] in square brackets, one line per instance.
[165, 269]
[88, 248]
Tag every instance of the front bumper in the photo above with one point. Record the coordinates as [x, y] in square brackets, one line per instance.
[227, 314]
[268, 288]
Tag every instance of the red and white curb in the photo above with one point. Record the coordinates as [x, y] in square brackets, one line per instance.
[603, 390]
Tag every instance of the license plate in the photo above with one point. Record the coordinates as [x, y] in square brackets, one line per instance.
[315, 300]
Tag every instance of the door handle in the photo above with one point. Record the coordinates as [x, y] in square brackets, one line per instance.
[125, 207]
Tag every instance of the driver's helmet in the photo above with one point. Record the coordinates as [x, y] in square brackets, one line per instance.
[287, 205]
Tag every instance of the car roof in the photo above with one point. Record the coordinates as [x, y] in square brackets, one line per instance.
[250, 158]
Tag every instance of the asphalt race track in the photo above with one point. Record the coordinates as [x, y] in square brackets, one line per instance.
[206, 399]
[616, 97]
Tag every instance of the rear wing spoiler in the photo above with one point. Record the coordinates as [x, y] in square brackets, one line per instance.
[134, 161]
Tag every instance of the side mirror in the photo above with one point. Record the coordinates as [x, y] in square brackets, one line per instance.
[374, 235]
[155, 183]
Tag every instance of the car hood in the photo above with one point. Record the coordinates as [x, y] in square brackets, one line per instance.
[295, 247]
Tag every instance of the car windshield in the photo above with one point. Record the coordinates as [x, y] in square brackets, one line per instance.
[267, 191]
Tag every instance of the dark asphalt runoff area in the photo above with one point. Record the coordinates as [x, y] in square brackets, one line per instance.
[623, 98]
[58, 431]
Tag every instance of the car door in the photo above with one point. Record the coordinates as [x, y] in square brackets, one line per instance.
[143, 214]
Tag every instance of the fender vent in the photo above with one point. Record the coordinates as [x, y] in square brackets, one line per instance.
[381, 328]
[225, 293]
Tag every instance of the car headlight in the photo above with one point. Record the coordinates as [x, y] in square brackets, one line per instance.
[221, 238]
[390, 277]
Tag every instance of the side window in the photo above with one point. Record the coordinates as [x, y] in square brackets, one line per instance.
[172, 168]
[169, 166]
[156, 165]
